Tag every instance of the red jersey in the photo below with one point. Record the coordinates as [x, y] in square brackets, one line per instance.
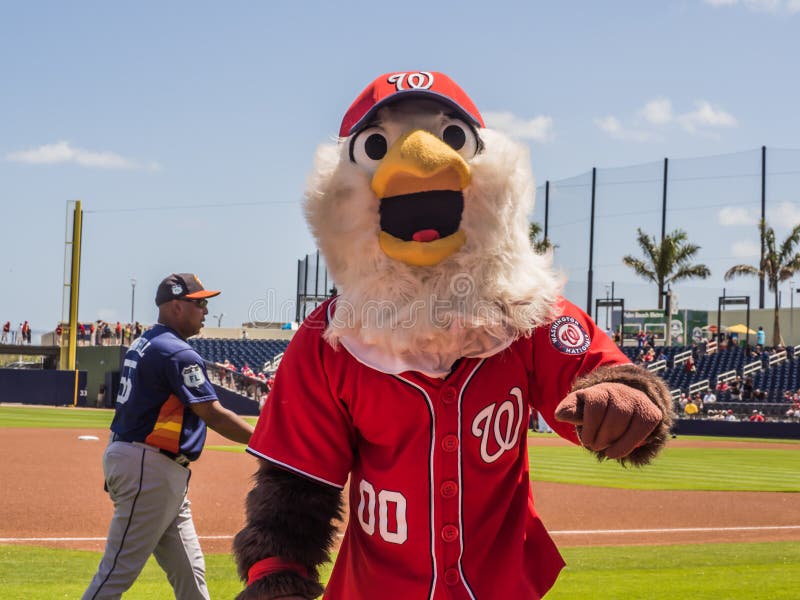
[440, 497]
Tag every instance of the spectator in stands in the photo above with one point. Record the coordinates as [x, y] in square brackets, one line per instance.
[747, 389]
[756, 417]
[761, 336]
[689, 365]
[244, 335]
[127, 334]
[691, 409]
[640, 339]
[118, 332]
[6, 330]
[722, 387]
[106, 335]
[649, 356]
[759, 395]
[651, 339]
[661, 355]
[710, 397]
[729, 416]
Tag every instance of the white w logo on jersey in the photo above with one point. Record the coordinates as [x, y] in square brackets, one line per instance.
[502, 422]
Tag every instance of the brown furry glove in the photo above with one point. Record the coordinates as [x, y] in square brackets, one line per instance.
[619, 412]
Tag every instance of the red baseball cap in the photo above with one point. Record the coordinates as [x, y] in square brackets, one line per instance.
[391, 87]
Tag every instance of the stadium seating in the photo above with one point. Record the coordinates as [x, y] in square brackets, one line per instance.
[253, 352]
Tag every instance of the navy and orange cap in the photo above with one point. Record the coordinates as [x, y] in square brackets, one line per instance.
[182, 285]
[391, 87]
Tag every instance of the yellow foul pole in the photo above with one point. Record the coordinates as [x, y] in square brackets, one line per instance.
[74, 286]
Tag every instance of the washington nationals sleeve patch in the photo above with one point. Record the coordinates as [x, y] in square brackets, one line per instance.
[193, 376]
[568, 336]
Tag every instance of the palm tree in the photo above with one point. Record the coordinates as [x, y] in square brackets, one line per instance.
[539, 245]
[778, 265]
[667, 262]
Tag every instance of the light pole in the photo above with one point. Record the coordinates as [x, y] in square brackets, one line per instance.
[218, 318]
[133, 295]
[608, 290]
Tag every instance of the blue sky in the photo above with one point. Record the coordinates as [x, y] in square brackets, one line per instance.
[187, 130]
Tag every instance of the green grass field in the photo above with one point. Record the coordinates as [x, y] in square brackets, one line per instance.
[756, 571]
[698, 572]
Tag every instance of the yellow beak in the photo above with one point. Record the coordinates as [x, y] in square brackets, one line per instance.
[420, 162]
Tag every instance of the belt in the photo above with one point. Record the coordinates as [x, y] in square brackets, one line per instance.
[181, 459]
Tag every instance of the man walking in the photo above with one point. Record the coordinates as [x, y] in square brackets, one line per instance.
[164, 403]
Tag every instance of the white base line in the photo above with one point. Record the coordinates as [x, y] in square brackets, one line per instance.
[673, 530]
[92, 539]
[561, 532]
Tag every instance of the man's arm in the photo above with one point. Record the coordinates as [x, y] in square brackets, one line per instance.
[223, 421]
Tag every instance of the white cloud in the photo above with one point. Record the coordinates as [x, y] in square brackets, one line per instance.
[783, 215]
[538, 129]
[63, 152]
[745, 249]
[705, 115]
[771, 6]
[657, 112]
[613, 127]
[729, 216]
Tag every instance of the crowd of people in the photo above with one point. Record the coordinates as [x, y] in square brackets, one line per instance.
[103, 333]
[253, 384]
[16, 335]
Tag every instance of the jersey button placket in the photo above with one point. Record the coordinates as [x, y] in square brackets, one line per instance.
[449, 533]
[451, 576]
[450, 443]
[448, 483]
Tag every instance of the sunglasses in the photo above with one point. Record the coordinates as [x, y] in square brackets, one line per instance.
[200, 302]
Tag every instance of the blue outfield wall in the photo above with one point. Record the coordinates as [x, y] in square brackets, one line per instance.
[235, 402]
[47, 387]
[767, 429]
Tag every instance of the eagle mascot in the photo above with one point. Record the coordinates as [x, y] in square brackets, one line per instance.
[413, 388]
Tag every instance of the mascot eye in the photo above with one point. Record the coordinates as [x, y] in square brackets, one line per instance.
[461, 138]
[369, 147]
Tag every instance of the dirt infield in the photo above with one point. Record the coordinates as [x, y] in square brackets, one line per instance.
[52, 487]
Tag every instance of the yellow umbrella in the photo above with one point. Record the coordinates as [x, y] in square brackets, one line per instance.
[739, 328]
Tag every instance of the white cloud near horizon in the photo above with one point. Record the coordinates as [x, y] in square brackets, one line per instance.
[769, 6]
[784, 215]
[538, 129]
[659, 114]
[62, 152]
[781, 216]
[745, 249]
[736, 215]
[613, 127]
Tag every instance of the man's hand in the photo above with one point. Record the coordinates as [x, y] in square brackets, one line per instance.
[611, 418]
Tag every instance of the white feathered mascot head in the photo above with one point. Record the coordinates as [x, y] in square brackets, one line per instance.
[421, 213]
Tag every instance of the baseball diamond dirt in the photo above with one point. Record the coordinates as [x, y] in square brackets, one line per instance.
[52, 495]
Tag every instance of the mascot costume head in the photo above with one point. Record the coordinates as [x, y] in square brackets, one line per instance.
[414, 386]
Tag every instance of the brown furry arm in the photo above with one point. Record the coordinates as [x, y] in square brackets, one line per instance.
[654, 388]
[290, 517]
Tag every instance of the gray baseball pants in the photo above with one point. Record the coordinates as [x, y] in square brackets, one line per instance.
[151, 516]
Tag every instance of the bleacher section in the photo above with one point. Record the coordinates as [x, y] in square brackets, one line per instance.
[253, 352]
[772, 375]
